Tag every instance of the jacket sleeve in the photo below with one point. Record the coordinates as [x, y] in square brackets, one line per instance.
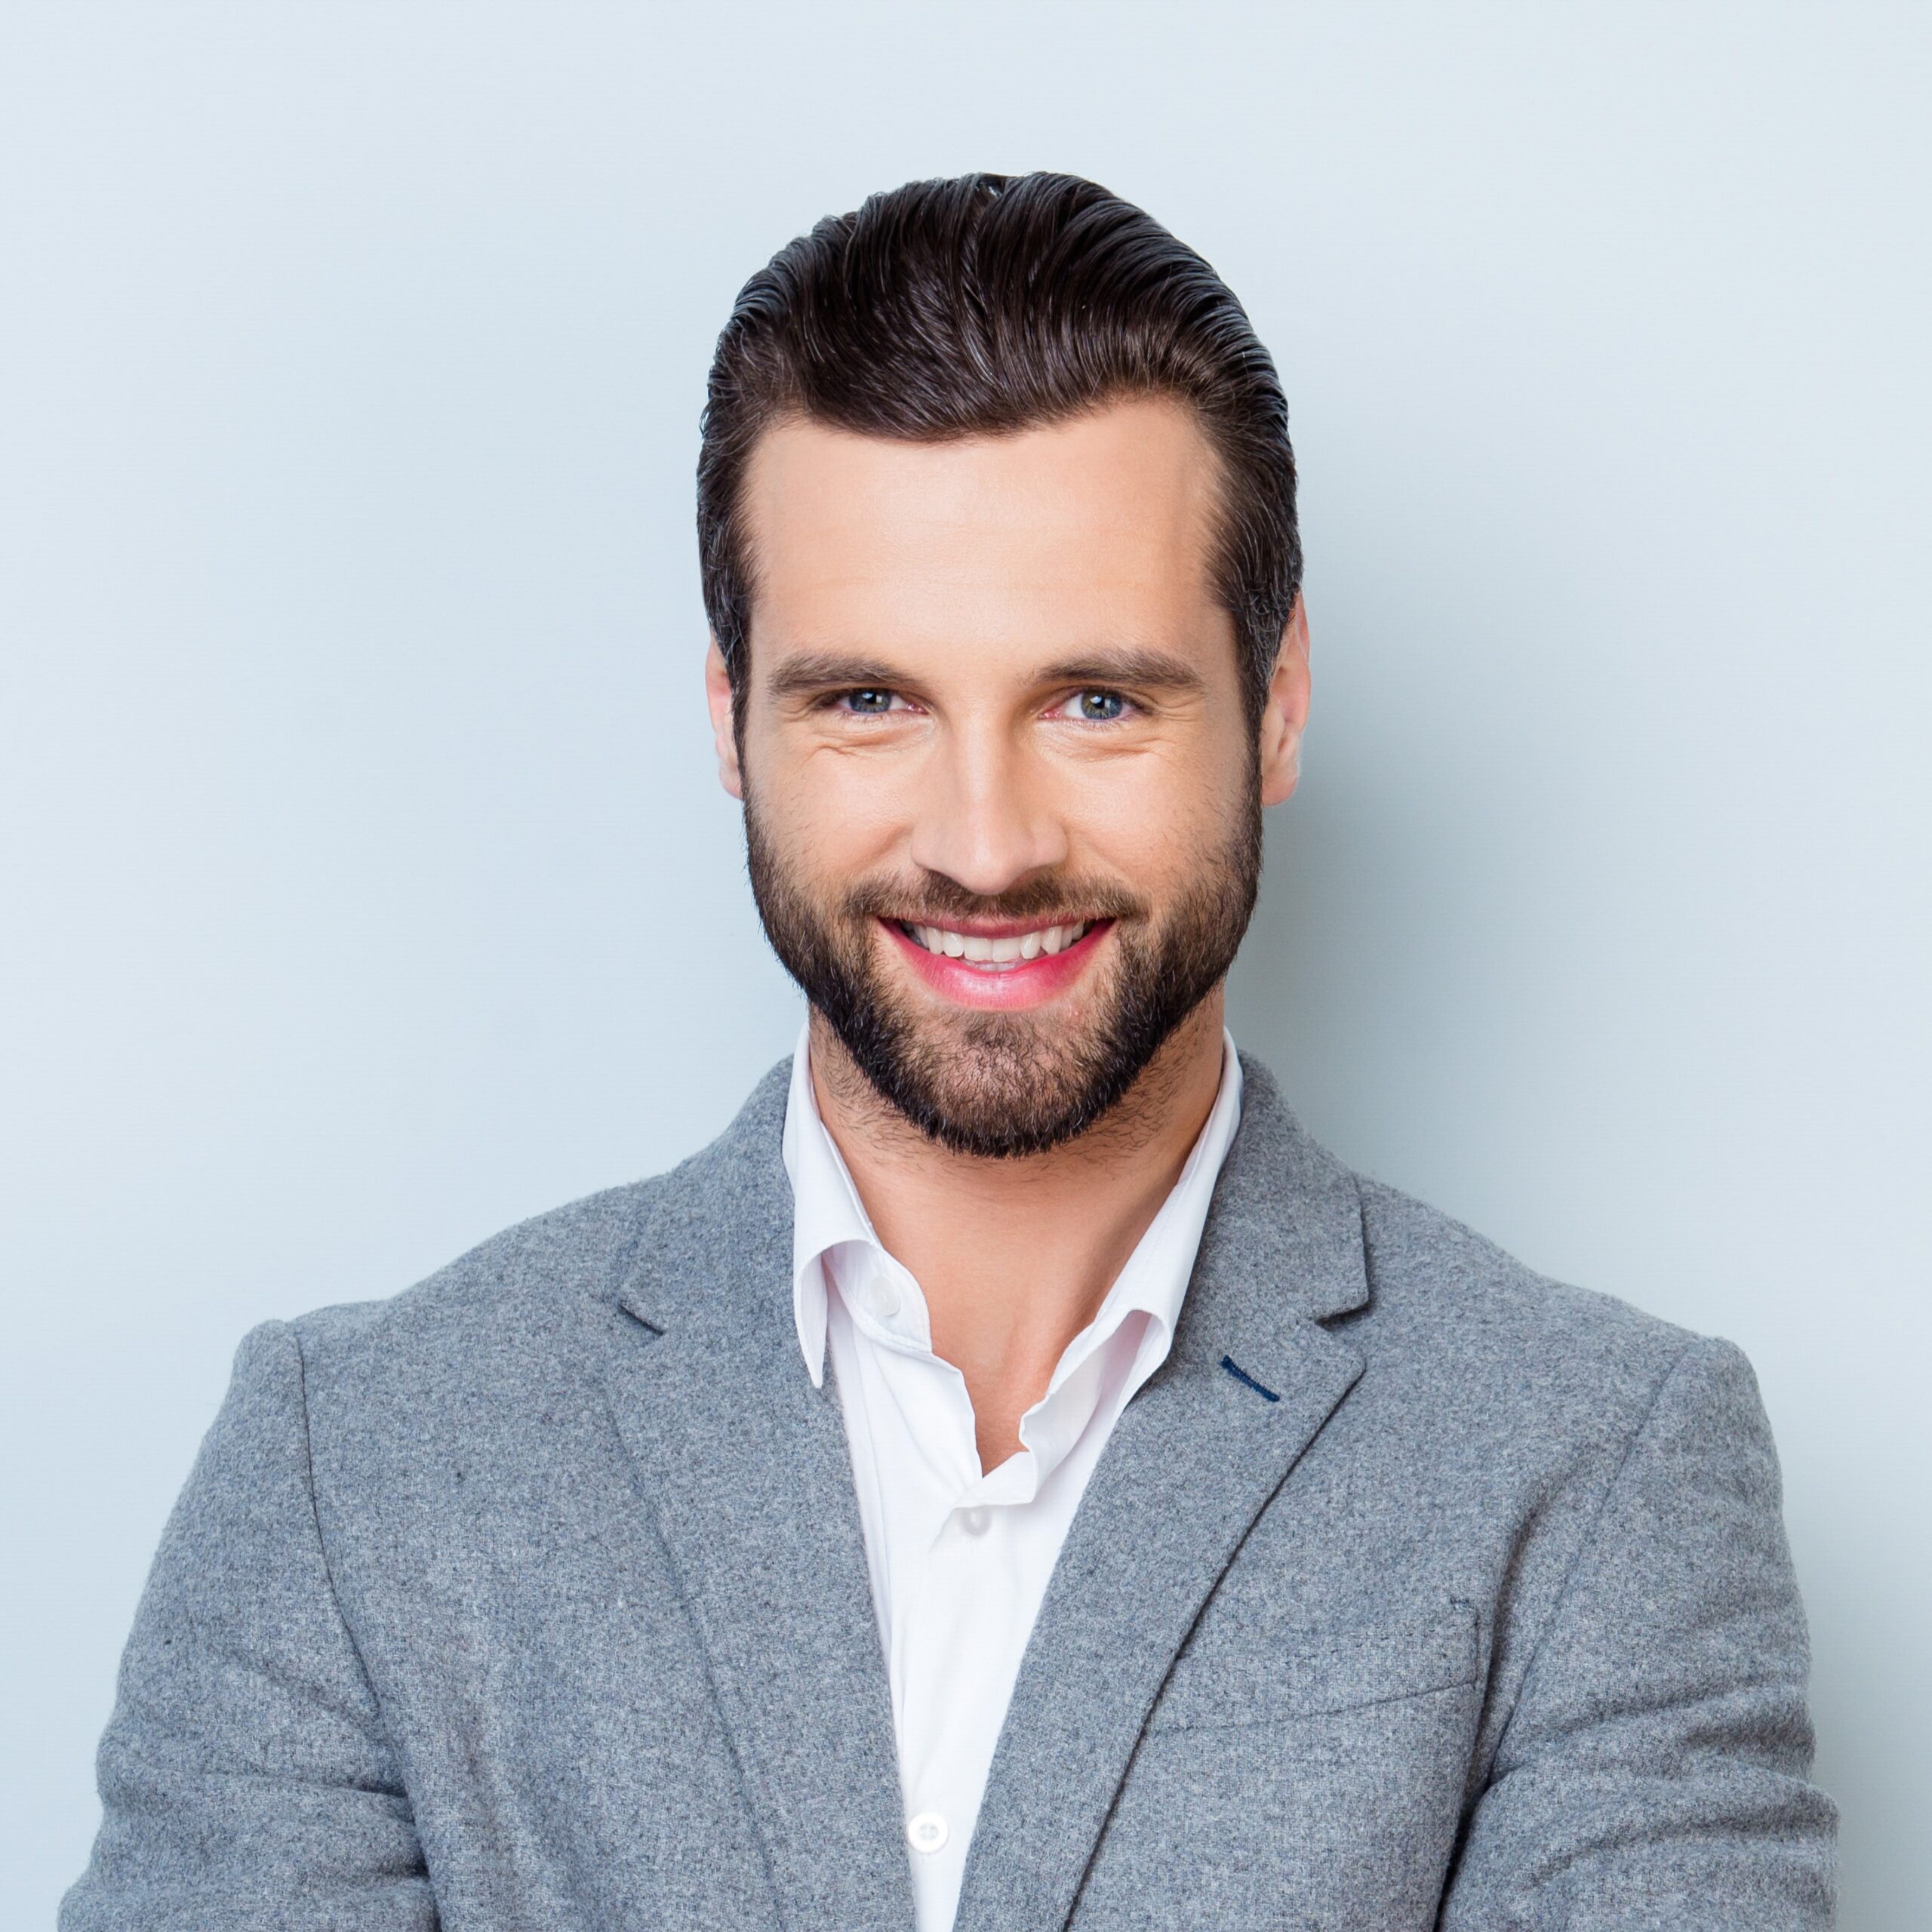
[1655, 1771]
[245, 1779]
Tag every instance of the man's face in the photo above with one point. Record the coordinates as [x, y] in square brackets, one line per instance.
[1002, 797]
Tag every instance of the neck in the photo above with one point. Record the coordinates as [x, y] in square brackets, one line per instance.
[1014, 1257]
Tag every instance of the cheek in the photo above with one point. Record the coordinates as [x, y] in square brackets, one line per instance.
[1152, 819]
[835, 816]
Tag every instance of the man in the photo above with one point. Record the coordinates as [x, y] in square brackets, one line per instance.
[1014, 1478]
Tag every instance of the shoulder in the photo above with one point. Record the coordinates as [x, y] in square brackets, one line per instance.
[1413, 1287]
[1453, 1315]
[1425, 1266]
[514, 1294]
[530, 1287]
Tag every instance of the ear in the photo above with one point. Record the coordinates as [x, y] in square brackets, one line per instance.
[718, 696]
[1285, 713]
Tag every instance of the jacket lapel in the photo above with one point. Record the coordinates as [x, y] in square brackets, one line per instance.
[1192, 1461]
[745, 1466]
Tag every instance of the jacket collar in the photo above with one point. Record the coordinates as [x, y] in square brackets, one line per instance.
[1283, 1237]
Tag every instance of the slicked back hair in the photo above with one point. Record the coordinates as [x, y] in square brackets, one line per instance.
[984, 305]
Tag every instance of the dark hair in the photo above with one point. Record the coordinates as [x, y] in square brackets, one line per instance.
[987, 304]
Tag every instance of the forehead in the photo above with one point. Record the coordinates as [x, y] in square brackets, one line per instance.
[1099, 526]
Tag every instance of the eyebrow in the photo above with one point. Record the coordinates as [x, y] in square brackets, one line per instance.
[815, 671]
[1159, 670]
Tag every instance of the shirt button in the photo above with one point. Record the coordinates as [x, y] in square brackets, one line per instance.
[926, 1832]
[885, 1300]
[974, 1522]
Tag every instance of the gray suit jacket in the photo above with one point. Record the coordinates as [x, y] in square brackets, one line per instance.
[1412, 1591]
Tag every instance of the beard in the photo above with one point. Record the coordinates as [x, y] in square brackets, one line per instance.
[999, 1085]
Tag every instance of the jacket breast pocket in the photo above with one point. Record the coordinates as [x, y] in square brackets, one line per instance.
[1243, 1672]
[1296, 1777]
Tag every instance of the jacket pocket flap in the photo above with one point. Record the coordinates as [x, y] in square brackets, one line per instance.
[1237, 1675]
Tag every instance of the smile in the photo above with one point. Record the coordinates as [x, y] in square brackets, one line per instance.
[1001, 954]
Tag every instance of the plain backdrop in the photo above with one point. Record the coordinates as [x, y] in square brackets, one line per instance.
[366, 884]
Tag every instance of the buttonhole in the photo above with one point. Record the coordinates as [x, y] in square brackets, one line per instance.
[1241, 1374]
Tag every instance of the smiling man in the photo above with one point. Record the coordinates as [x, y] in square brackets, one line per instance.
[1014, 1478]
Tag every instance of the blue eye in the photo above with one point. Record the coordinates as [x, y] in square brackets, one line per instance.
[1096, 707]
[867, 703]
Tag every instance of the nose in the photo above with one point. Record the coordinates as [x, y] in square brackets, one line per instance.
[985, 816]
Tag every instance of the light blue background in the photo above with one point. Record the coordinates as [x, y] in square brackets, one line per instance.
[366, 886]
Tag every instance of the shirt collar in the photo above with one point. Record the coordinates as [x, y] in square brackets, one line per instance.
[827, 1211]
[826, 1207]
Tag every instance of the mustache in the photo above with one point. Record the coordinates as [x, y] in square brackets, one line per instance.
[1048, 901]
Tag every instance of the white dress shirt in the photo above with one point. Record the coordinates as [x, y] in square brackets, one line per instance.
[959, 1557]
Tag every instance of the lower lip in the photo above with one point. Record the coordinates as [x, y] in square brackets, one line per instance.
[1029, 983]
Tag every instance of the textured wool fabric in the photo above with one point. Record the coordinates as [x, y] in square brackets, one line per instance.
[1414, 1590]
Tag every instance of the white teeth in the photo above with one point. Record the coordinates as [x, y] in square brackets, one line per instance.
[1007, 951]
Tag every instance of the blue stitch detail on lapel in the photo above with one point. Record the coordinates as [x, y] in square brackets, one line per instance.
[1242, 1375]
